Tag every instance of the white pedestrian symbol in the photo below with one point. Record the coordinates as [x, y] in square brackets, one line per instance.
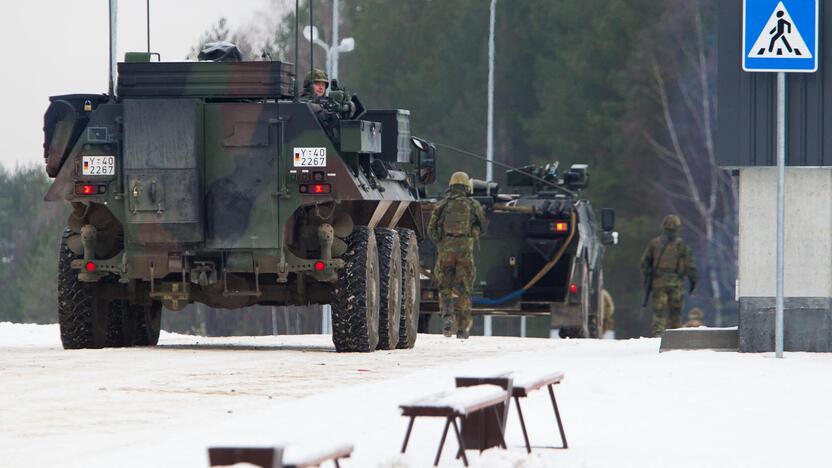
[780, 38]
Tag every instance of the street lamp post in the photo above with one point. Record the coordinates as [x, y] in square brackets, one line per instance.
[346, 45]
[489, 144]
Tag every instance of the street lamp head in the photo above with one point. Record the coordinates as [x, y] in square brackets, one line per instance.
[347, 45]
[310, 33]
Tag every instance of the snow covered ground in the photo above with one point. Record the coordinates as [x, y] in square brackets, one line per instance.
[623, 404]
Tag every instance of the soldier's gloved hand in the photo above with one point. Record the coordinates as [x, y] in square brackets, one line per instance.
[692, 286]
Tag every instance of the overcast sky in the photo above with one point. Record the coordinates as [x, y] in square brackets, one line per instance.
[57, 47]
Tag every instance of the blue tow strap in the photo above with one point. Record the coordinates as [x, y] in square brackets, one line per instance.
[502, 300]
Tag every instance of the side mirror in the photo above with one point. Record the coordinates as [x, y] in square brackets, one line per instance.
[608, 219]
[425, 161]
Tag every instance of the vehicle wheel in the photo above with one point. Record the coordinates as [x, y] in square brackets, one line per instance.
[355, 298]
[144, 324]
[596, 312]
[89, 322]
[586, 306]
[409, 324]
[390, 273]
[85, 321]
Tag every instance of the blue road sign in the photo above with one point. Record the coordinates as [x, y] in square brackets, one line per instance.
[780, 36]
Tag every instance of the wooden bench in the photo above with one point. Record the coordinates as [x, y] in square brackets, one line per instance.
[526, 382]
[289, 456]
[453, 404]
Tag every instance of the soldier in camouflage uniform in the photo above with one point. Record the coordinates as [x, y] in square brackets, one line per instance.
[456, 221]
[670, 260]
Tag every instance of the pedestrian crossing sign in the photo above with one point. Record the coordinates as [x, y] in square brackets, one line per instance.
[780, 36]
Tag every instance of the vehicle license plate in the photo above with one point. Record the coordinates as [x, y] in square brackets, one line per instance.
[310, 157]
[98, 165]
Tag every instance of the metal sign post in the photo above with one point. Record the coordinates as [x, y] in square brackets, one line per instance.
[780, 36]
[781, 211]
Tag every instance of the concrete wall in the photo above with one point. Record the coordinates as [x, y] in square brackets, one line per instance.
[808, 258]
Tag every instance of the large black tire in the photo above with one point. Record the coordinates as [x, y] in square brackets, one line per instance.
[596, 312]
[409, 325]
[586, 300]
[356, 296]
[581, 331]
[141, 324]
[390, 274]
[81, 324]
[86, 321]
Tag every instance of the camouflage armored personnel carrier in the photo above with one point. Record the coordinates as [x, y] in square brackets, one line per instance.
[543, 252]
[212, 182]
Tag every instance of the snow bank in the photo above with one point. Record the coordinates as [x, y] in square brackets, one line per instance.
[623, 404]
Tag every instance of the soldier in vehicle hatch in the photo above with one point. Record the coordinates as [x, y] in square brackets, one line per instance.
[456, 221]
[331, 108]
[315, 84]
[665, 263]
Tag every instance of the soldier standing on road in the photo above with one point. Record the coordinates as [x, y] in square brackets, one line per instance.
[666, 262]
[454, 224]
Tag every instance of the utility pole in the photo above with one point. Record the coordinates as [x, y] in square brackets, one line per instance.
[332, 51]
[489, 143]
[489, 151]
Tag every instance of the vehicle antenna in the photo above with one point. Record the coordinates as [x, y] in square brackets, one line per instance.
[148, 26]
[113, 37]
[311, 50]
[297, 47]
[506, 166]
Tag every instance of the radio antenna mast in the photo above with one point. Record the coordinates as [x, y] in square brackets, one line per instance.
[297, 47]
[113, 51]
[311, 49]
[148, 26]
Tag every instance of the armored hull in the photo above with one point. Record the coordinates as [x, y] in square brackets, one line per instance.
[210, 182]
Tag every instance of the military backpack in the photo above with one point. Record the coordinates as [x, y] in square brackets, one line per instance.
[456, 218]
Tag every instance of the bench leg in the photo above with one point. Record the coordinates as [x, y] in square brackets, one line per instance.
[337, 465]
[523, 425]
[500, 426]
[407, 434]
[442, 441]
[461, 444]
[557, 416]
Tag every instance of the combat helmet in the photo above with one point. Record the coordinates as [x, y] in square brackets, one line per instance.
[461, 178]
[671, 222]
[315, 76]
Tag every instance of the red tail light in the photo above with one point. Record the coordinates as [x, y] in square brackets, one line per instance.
[573, 288]
[320, 266]
[315, 189]
[89, 266]
[89, 189]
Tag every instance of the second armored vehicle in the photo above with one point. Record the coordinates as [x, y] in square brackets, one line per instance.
[542, 254]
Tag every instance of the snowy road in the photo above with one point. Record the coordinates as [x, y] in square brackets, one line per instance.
[623, 403]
